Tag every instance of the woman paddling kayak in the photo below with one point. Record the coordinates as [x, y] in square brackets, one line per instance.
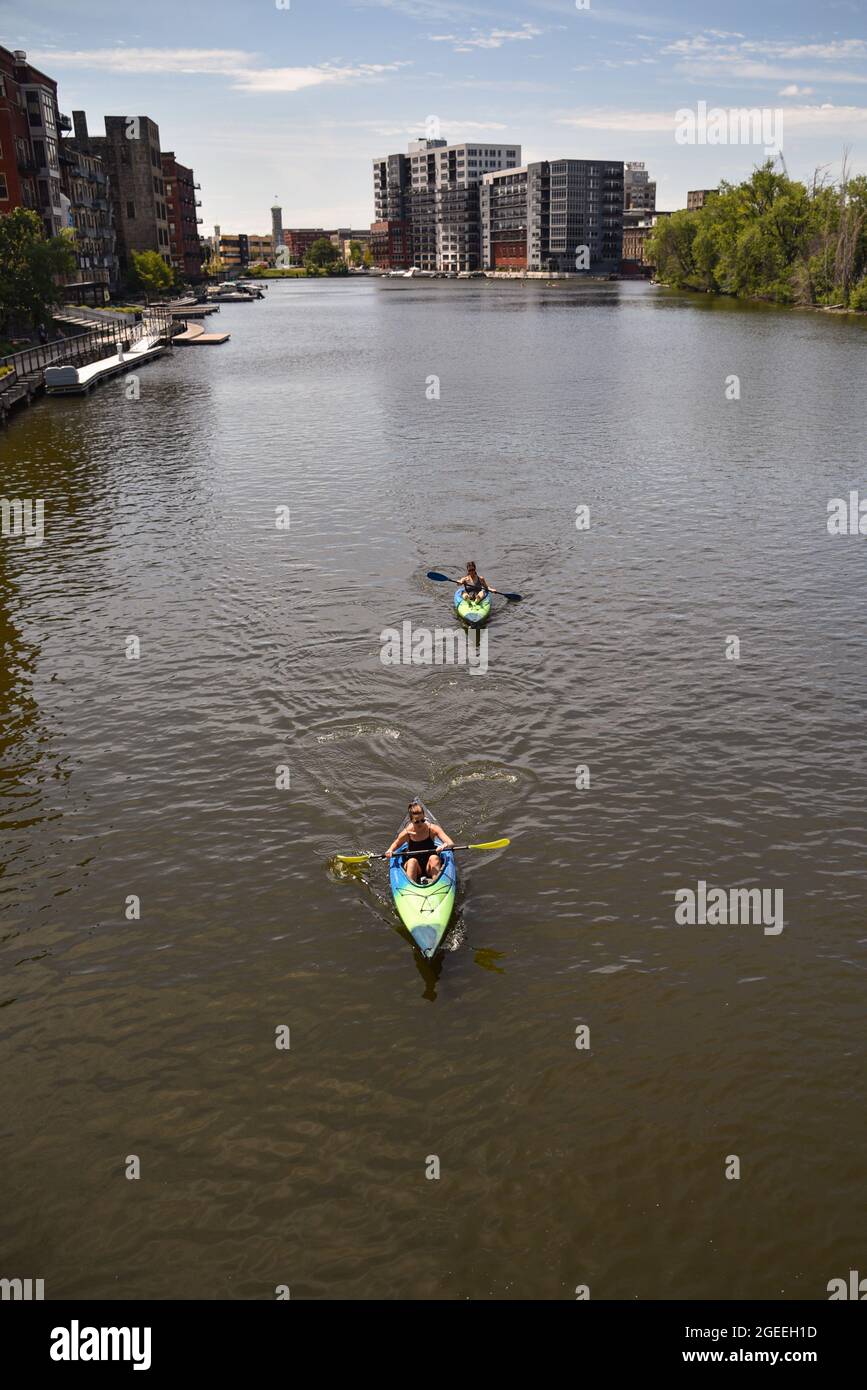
[422, 864]
[474, 585]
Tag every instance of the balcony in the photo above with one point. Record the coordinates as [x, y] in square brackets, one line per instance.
[27, 164]
[198, 202]
[200, 219]
[197, 185]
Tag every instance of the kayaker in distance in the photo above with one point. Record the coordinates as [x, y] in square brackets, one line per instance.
[423, 865]
[475, 586]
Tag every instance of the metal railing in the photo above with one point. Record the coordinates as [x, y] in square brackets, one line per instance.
[83, 348]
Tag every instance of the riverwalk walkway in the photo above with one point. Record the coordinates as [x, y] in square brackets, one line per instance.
[100, 338]
[67, 379]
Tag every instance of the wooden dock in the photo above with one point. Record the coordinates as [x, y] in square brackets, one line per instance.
[193, 311]
[195, 334]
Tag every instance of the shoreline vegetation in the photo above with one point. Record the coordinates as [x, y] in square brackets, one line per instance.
[772, 239]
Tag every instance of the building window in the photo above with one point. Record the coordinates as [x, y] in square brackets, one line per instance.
[130, 210]
[4, 191]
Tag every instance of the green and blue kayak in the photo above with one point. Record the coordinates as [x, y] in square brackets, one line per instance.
[474, 612]
[425, 908]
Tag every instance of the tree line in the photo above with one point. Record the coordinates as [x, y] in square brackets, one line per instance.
[773, 238]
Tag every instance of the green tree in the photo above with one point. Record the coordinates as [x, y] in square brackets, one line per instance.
[771, 238]
[355, 252]
[152, 273]
[322, 255]
[32, 269]
[670, 247]
[368, 257]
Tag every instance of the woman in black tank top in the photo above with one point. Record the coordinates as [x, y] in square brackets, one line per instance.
[422, 861]
[475, 586]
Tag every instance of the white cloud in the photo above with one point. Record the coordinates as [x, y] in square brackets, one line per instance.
[412, 130]
[646, 121]
[296, 79]
[793, 90]
[839, 50]
[712, 54]
[236, 64]
[495, 38]
[150, 60]
[823, 117]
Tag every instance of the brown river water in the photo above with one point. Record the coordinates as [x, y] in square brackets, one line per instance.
[153, 1032]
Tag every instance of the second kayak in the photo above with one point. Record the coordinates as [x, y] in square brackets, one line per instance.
[474, 612]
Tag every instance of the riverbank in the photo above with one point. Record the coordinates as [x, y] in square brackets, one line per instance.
[760, 299]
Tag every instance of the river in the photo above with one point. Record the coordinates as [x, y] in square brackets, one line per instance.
[171, 911]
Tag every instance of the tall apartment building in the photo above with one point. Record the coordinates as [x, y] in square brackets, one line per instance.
[575, 203]
[539, 217]
[504, 208]
[390, 232]
[182, 204]
[639, 190]
[444, 200]
[696, 199]
[130, 151]
[426, 203]
[30, 127]
[85, 184]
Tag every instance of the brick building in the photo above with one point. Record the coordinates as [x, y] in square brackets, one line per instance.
[390, 244]
[30, 129]
[696, 199]
[130, 151]
[85, 184]
[637, 227]
[182, 204]
[298, 241]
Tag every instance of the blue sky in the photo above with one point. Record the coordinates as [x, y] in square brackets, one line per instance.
[264, 100]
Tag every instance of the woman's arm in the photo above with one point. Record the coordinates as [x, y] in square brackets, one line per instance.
[399, 839]
[447, 840]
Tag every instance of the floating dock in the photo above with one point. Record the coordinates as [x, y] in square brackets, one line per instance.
[69, 380]
[194, 333]
[193, 311]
